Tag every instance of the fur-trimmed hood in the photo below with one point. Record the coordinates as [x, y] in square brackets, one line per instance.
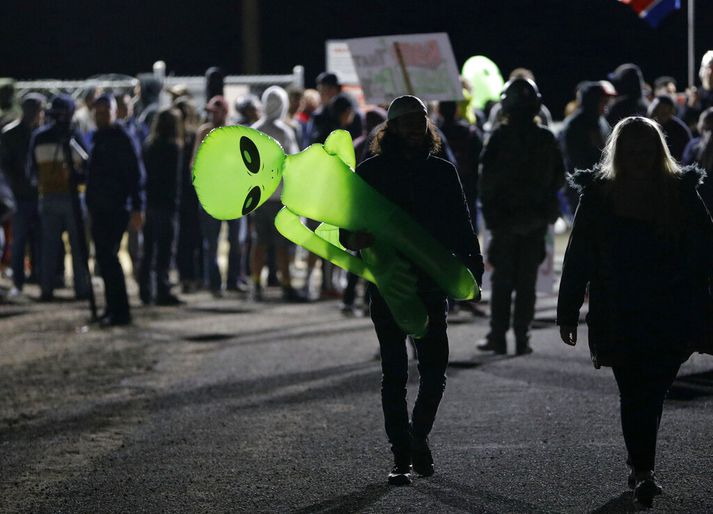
[691, 177]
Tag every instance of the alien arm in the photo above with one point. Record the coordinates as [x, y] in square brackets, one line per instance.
[289, 225]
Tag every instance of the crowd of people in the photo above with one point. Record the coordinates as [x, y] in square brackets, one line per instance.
[122, 161]
[120, 164]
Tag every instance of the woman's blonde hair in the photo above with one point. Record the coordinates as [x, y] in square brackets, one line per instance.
[612, 166]
[618, 160]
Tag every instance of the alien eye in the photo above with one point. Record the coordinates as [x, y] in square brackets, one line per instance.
[250, 154]
[251, 200]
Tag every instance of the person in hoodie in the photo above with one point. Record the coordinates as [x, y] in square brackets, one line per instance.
[631, 101]
[641, 248]
[115, 199]
[520, 175]
[584, 133]
[274, 101]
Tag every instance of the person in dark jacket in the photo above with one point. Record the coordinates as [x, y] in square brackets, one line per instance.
[323, 121]
[698, 99]
[162, 155]
[642, 248]
[663, 111]
[405, 171]
[585, 132]
[14, 146]
[115, 197]
[521, 172]
[629, 83]
[49, 167]
[700, 151]
[189, 247]
[466, 142]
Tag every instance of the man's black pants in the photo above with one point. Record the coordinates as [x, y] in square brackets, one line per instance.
[515, 259]
[642, 389]
[432, 353]
[108, 228]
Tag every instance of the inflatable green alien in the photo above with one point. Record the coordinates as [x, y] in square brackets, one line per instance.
[237, 169]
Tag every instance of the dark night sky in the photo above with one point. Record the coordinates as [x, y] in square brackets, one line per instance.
[562, 41]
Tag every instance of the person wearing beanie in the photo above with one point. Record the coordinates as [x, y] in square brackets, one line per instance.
[50, 149]
[405, 170]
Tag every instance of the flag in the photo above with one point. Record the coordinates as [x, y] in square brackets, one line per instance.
[653, 11]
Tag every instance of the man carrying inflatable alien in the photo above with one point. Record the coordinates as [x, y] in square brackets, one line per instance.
[403, 210]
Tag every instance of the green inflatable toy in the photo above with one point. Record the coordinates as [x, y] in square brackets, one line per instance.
[237, 169]
[485, 79]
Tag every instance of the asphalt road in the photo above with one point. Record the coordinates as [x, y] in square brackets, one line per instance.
[227, 406]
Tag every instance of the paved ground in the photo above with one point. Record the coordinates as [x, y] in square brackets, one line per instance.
[225, 406]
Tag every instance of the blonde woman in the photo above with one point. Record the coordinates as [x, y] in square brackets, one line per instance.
[642, 246]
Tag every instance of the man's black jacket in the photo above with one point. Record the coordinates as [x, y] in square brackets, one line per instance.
[429, 190]
[115, 180]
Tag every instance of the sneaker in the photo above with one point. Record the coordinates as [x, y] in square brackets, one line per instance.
[400, 473]
[490, 345]
[646, 489]
[421, 457]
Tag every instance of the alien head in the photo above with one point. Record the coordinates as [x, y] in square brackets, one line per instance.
[236, 170]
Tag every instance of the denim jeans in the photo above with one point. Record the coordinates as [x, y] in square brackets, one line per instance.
[159, 232]
[56, 216]
[25, 229]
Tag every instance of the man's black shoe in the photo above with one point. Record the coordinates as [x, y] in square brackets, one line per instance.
[113, 320]
[488, 345]
[400, 473]
[646, 488]
[421, 457]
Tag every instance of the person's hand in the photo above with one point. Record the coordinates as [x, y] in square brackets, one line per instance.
[568, 334]
[136, 222]
[360, 240]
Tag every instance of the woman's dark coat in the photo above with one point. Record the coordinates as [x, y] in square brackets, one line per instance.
[648, 295]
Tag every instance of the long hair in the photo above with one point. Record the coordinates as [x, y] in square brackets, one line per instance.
[166, 127]
[620, 160]
[705, 152]
[386, 140]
